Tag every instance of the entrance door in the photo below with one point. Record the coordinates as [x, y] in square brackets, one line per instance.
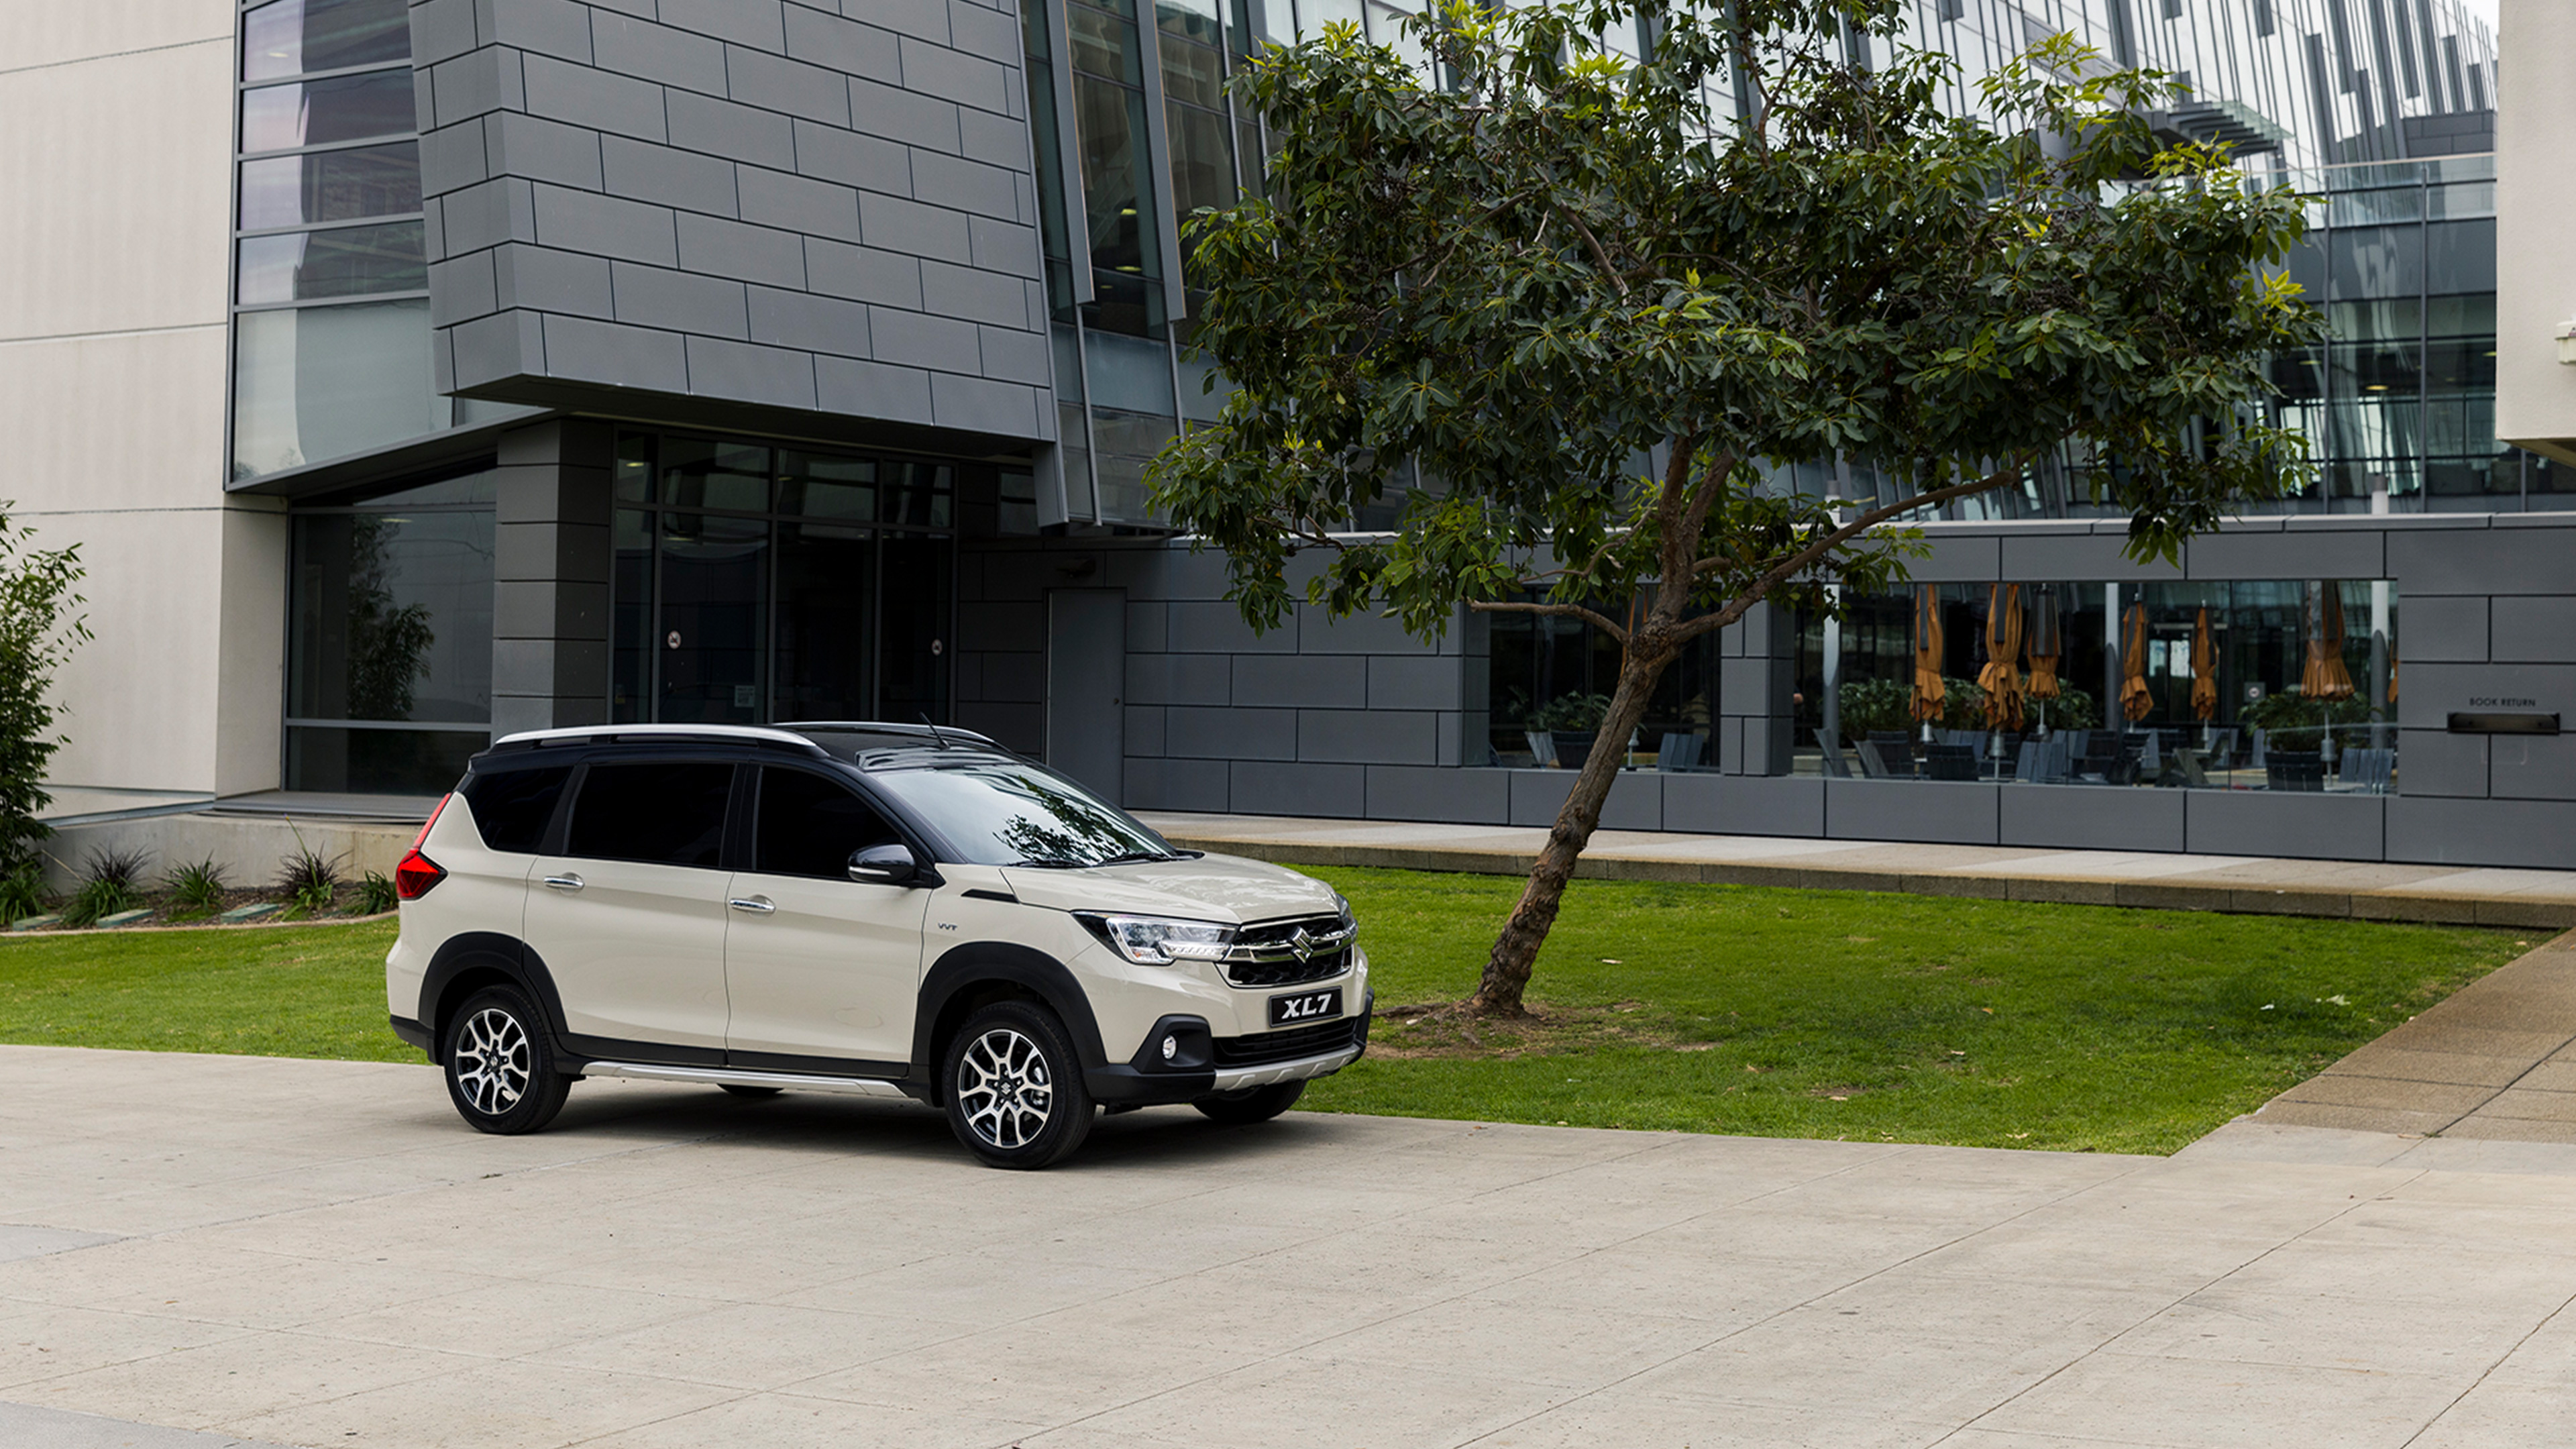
[1086, 687]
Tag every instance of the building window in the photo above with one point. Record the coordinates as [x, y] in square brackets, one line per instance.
[389, 648]
[330, 299]
[1548, 680]
[754, 583]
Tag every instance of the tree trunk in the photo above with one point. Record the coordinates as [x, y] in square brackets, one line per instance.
[1507, 971]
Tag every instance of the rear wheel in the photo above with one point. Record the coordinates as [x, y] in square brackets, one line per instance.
[500, 1070]
[1252, 1104]
[1014, 1087]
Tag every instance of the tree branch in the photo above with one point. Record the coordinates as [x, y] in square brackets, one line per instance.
[1600, 256]
[1593, 617]
[1807, 557]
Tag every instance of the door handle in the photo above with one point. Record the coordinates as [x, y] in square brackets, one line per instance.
[565, 882]
[757, 905]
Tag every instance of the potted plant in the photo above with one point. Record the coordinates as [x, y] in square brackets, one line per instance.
[1571, 721]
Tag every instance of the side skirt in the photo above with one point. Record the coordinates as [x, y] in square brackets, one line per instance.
[734, 1076]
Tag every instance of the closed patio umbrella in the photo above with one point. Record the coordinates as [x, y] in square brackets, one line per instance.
[1928, 689]
[2325, 676]
[2204, 670]
[2134, 699]
[2047, 643]
[2000, 679]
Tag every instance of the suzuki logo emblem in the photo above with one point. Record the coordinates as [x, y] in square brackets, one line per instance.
[1302, 944]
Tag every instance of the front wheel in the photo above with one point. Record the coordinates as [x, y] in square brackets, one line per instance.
[1252, 1104]
[1015, 1092]
[500, 1071]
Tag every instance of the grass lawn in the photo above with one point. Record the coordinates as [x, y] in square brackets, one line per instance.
[1703, 1008]
[1839, 1014]
[280, 991]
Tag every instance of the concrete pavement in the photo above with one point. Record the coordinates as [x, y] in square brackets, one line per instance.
[317, 1253]
[2448, 894]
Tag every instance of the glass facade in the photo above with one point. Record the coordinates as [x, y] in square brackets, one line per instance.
[389, 640]
[755, 583]
[330, 338]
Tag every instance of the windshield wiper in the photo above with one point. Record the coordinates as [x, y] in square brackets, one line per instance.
[1047, 864]
[1133, 857]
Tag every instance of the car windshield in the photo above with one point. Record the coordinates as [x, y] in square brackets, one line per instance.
[1000, 812]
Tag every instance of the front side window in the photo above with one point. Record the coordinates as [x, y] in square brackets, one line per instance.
[812, 826]
[997, 812]
[660, 814]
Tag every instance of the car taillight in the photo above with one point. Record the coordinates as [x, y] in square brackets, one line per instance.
[416, 874]
[435, 811]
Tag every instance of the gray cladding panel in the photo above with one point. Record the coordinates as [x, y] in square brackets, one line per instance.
[2265, 822]
[2482, 561]
[2266, 554]
[2080, 817]
[1925, 810]
[2534, 833]
[707, 145]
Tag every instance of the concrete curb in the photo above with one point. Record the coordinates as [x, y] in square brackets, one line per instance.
[2367, 905]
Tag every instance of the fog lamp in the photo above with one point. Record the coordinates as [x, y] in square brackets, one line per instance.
[1171, 1047]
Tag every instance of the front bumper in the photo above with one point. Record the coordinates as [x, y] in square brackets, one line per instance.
[1146, 1082]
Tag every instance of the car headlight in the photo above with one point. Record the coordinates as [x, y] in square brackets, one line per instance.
[1157, 941]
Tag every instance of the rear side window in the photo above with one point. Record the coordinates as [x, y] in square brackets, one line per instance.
[511, 807]
[663, 814]
[811, 826]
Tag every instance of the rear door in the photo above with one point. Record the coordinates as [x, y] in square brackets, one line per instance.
[630, 916]
[823, 971]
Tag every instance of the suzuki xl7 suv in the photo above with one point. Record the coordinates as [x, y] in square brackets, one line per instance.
[873, 909]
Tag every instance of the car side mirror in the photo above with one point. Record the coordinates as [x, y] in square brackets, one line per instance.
[885, 865]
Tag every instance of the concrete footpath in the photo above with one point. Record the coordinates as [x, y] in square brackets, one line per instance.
[2455, 895]
[316, 1253]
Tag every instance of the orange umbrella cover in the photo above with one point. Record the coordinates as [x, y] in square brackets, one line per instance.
[1928, 688]
[2325, 676]
[2204, 670]
[2134, 699]
[1999, 679]
[2046, 645]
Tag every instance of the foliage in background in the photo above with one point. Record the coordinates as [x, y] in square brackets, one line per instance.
[308, 880]
[22, 892]
[2292, 721]
[376, 894]
[1887, 706]
[196, 889]
[1788, 1013]
[1570, 712]
[40, 626]
[111, 881]
[1518, 282]
[388, 644]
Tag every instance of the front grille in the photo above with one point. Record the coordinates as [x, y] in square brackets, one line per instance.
[1286, 1046]
[1268, 955]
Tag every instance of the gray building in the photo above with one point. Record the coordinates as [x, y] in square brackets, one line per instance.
[542, 362]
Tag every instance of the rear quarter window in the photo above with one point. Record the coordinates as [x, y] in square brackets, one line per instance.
[511, 807]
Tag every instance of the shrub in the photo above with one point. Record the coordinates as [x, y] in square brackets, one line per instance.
[196, 889]
[1572, 713]
[376, 894]
[22, 892]
[39, 629]
[308, 880]
[110, 882]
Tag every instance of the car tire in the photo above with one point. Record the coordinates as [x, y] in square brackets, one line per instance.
[742, 1089]
[1252, 1104]
[500, 1065]
[1013, 1087]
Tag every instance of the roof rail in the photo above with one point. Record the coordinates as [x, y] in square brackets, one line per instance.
[739, 734]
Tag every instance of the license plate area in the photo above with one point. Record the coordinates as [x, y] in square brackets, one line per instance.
[1305, 1006]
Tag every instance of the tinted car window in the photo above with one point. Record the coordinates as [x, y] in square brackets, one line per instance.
[810, 825]
[1008, 812]
[664, 814]
[511, 807]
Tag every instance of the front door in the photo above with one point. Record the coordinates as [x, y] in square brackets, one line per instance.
[630, 919]
[822, 970]
[1087, 687]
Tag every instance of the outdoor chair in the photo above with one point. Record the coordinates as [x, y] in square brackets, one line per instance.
[1680, 751]
[1949, 762]
[2368, 770]
[1542, 749]
[1872, 764]
[1835, 766]
[1894, 751]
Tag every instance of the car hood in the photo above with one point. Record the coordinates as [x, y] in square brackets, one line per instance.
[1205, 888]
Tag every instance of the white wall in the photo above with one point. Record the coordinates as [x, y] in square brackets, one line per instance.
[2535, 226]
[115, 145]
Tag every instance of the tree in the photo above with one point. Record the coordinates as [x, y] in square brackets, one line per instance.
[1590, 319]
[39, 628]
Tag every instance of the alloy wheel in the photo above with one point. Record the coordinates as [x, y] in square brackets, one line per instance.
[492, 1061]
[1005, 1089]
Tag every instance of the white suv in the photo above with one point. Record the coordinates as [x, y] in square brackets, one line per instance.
[863, 908]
